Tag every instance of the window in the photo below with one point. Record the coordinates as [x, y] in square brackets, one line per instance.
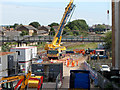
[0, 60]
[18, 52]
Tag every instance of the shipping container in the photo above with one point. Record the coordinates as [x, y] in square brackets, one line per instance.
[8, 61]
[79, 79]
[49, 71]
[25, 53]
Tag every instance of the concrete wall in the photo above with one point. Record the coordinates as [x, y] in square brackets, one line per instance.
[117, 34]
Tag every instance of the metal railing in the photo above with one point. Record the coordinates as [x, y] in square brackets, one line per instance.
[49, 39]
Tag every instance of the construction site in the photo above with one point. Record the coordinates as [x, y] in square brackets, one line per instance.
[75, 63]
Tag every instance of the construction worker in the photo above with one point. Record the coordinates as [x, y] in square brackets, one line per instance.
[77, 63]
[67, 63]
[73, 63]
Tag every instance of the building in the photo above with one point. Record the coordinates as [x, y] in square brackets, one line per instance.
[25, 56]
[30, 29]
[8, 63]
[43, 30]
[12, 33]
[2, 30]
[0, 46]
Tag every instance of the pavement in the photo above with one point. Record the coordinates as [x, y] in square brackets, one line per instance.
[66, 72]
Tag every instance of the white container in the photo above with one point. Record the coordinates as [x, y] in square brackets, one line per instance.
[4, 59]
[3, 64]
[25, 53]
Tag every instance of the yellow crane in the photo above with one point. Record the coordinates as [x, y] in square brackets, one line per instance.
[54, 50]
[7, 82]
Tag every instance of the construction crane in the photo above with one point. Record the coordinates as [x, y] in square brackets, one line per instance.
[54, 50]
[7, 82]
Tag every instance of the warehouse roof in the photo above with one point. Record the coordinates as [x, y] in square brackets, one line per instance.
[5, 53]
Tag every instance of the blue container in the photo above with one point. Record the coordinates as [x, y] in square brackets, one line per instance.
[79, 79]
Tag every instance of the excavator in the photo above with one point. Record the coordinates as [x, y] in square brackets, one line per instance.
[54, 50]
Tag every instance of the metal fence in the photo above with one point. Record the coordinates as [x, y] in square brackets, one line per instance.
[99, 79]
[58, 81]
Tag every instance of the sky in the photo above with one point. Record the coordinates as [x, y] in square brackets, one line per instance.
[47, 11]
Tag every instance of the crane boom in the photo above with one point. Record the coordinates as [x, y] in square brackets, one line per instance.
[54, 49]
[66, 15]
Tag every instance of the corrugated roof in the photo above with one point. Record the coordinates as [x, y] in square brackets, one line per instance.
[42, 31]
[41, 27]
[29, 27]
[5, 53]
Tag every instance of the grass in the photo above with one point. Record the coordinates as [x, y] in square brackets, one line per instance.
[83, 46]
[42, 45]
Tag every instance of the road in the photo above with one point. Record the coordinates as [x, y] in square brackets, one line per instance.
[66, 71]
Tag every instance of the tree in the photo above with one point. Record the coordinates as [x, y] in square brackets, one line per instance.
[24, 33]
[53, 24]
[108, 40]
[15, 25]
[77, 25]
[52, 31]
[5, 47]
[100, 28]
[35, 24]
[76, 33]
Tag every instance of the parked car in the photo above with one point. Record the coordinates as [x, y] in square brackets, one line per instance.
[105, 68]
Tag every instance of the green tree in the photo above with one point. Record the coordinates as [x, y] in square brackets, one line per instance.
[108, 40]
[5, 47]
[77, 25]
[53, 24]
[66, 28]
[76, 33]
[69, 33]
[24, 33]
[52, 31]
[35, 24]
[100, 28]
[15, 25]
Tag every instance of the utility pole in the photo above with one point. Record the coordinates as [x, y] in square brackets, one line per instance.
[113, 33]
[116, 34]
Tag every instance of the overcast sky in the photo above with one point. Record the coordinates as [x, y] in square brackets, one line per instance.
[48, 11]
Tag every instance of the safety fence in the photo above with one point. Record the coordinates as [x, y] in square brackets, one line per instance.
[59, 81]
[100, 80]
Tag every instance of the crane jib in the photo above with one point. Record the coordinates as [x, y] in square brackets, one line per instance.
[65, 20]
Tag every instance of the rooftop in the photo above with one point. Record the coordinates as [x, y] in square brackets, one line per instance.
[25, 47]
[30, 27]
[5, 53]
